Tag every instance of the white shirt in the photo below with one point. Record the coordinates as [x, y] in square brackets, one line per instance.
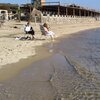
[28, 28]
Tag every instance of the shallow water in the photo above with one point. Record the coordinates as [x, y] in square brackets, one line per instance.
[66, 70]
[84, 50]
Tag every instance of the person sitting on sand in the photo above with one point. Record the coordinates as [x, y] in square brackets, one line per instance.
[29, 30]
[48, 32]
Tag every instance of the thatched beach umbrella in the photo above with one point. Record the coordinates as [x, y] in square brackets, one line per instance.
[36, 15]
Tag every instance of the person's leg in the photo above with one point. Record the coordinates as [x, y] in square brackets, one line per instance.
[52, 37]
[32, 33]
[32, 37]
[51, 34]
[25, 35]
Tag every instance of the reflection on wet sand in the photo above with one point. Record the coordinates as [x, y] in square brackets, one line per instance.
[67, 70]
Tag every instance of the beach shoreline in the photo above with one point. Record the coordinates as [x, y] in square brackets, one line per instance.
[23, 52]
[12, 50]
[50, 71]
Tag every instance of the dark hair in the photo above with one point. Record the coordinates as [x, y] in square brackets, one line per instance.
[27, 23]
[45, 25]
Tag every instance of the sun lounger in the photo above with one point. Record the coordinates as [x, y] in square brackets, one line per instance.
[44, 33]
[42, 30]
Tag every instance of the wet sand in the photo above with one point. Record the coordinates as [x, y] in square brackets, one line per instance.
[64, 70]
[10, 70]
[12, 50]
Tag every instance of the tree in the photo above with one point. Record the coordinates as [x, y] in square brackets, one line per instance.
[37, 4]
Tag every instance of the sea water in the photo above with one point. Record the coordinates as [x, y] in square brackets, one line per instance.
[71, 72]
[83, 49]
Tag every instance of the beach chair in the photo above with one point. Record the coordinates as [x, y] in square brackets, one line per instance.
[42, 30]
[49, 34]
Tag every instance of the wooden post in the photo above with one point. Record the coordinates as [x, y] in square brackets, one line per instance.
[19, 12]
[88, 14]
[91, 14]
[84, 13]
[79, 12]
[66, 11]
[73, 12]
[59, 9]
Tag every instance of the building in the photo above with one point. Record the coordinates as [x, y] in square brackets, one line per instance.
[3, 14]
[55, 8]
[41, 2]
[8, 11]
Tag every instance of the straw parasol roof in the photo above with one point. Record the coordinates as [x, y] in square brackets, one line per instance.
[36, 12]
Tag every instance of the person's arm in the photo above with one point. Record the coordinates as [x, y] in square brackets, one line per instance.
[46, 30]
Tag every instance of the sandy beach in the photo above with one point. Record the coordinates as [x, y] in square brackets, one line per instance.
[12, 50]
[49, 70]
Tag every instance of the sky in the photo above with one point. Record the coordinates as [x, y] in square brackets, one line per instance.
[92, 4]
